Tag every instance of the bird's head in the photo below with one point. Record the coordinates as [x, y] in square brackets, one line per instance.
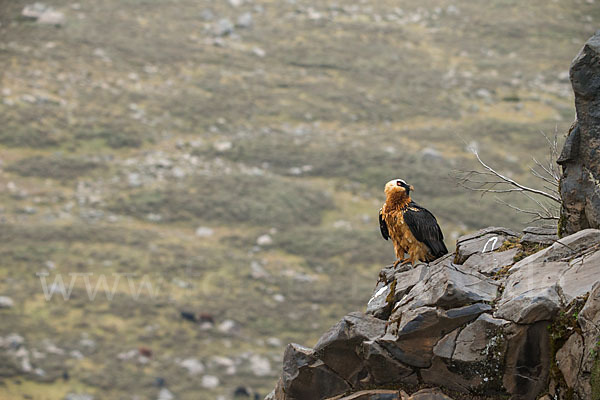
[397, 186]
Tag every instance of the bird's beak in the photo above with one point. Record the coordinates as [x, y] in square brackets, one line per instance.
[411, 187]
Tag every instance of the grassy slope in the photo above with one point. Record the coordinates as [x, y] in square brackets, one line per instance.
[133, 124]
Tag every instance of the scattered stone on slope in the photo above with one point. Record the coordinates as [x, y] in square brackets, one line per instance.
[34, 11]
[193, 366]
[210, 382]
[6, 302]
[259, 365]
[165, 394]
[52, 17]
[80, 396]
[43, 14]
[244, 20]
[204, 231]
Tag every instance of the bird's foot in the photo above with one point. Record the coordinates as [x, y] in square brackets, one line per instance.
[402, 262]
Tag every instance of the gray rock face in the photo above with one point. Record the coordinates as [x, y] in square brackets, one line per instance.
[337, 347]
[400, 282]
[373, 395]
[527, 361]
[539, 235]
[429, 394]
[491, 262]
[478, 338]
[307, 377]
[449, 325]
[488, 239]
[578, 359]
[418, 331]
[383, 368]
[538, 304]
[541, 284]
[569, 357]
[580, 180]
[565, 249]
[448, 286]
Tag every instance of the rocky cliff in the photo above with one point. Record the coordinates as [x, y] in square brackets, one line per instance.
[580, 158]
[507, 315]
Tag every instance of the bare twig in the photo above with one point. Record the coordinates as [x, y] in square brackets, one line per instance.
[538, 216]
[489, 180]
[516, 186]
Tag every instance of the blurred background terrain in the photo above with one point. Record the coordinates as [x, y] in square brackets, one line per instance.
[231, 156]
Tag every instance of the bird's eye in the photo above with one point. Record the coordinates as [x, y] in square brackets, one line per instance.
[399, 183]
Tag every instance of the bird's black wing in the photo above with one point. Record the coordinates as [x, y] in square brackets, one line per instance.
[425, 228]
[383, 226]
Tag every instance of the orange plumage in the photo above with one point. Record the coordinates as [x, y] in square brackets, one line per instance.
[413, 229]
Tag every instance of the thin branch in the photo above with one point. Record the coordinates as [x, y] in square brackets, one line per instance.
[489, 180]
[537, 215]
[517, 185]
[544, 178]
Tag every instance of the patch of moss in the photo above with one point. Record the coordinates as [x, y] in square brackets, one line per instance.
[502, 272]
[561, 225]
[510, 243]
[525, 250]
[528, 249]
[488, 370]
